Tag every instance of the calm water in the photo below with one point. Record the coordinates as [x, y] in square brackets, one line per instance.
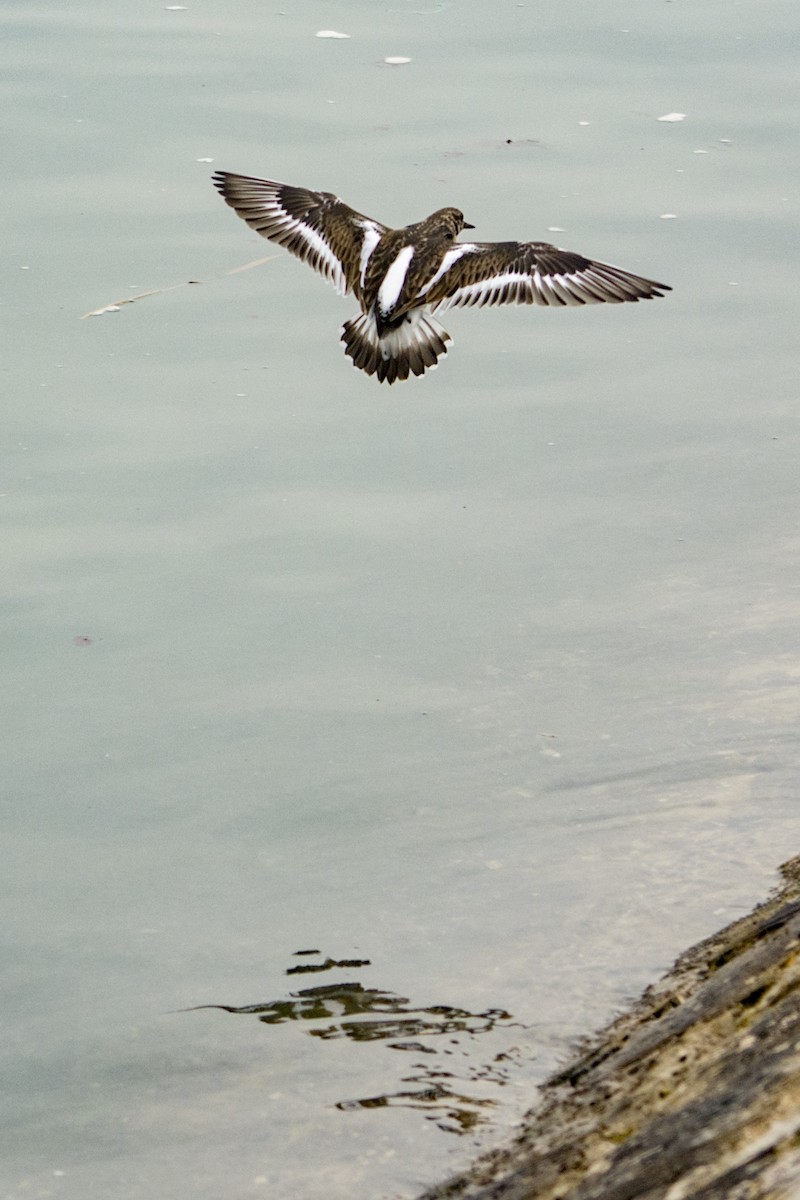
[487, 682]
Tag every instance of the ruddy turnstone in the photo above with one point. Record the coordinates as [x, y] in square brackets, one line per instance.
[400, 277]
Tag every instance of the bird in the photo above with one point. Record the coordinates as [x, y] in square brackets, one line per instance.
[402, 277]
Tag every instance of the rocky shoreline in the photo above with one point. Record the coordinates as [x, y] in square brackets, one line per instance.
[692, 1095]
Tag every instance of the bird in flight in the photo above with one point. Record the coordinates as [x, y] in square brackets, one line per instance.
[401, 277]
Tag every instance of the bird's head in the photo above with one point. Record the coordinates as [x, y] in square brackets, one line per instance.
[449, 222]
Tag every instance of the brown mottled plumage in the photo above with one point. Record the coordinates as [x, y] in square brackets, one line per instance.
[400, 277]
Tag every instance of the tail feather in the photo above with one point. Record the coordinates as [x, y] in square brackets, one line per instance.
[413, 347]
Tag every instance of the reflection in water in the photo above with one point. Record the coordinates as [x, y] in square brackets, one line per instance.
[361, 1014]
[306, 968]
[451, 1111]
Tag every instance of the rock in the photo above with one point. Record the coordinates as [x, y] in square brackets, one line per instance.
[692, 1095]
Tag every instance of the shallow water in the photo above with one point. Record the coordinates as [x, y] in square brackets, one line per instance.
[489, 680]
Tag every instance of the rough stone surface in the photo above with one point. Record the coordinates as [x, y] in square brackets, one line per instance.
[692, 1095]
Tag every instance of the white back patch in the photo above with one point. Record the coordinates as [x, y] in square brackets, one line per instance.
[393, 280]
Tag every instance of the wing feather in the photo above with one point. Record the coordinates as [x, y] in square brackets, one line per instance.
[488, 273]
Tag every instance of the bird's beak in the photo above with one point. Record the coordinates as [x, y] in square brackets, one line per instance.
[468, 226]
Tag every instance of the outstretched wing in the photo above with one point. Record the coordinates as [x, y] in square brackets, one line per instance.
[531, 273]
[318, 227]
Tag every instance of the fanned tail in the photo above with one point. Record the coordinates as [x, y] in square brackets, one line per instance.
[414, 347]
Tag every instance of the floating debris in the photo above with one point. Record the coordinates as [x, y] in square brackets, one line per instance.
[668, 216]
[672, 117]
[98, 312]
[332, 33]
[116, 305]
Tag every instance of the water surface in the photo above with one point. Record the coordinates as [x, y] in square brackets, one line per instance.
[488, 681]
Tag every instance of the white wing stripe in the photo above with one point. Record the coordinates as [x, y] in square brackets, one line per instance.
[452, 256]
[258, 196]
[317, 245]
[482, 290]
[550, 291]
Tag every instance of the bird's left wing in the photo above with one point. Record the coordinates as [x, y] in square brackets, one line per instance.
[317, 227]
[531, 273]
